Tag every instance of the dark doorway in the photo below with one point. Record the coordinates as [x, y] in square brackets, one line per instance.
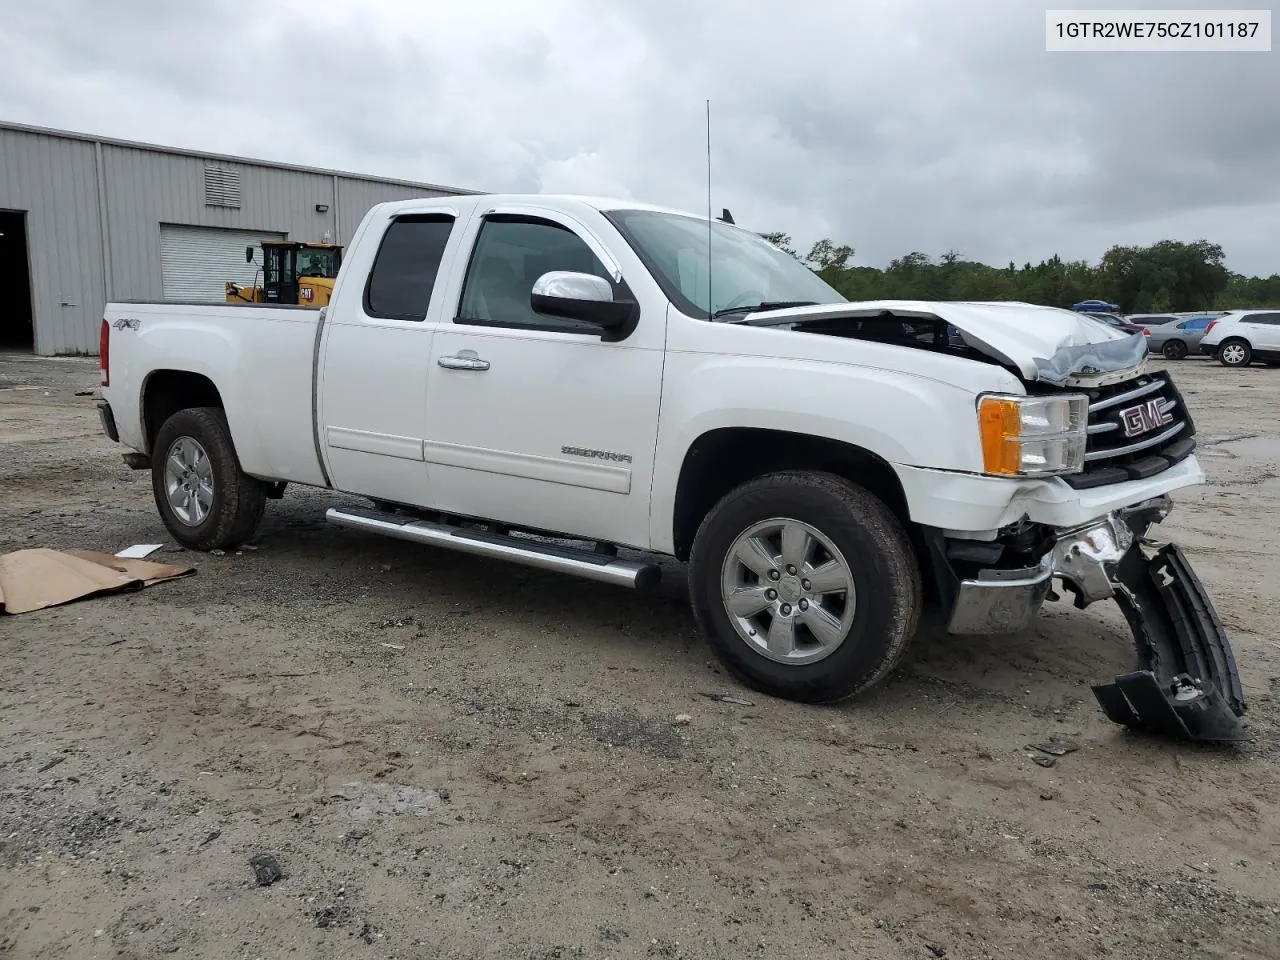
[17, 331]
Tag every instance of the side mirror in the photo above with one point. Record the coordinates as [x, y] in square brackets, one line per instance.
[580, 296]
[248, 254]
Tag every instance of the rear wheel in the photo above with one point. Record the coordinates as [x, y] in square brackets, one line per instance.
[805, 585]
[1174, 350]
[205, 500]
[1235, 353]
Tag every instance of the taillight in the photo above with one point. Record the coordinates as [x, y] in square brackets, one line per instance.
[1212, 324]
[104, 346]
[1146, 332]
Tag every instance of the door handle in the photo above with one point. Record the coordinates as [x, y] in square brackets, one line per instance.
[464, 360]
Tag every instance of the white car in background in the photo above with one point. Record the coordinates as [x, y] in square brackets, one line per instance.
[1240, 337]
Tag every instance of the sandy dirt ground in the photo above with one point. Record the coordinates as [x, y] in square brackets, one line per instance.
[456, 758]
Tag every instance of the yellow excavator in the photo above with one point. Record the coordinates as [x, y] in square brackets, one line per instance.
[292, 272]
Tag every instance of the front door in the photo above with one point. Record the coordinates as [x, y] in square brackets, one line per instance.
[536, 421]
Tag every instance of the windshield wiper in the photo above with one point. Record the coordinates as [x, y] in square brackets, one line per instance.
[766, 305]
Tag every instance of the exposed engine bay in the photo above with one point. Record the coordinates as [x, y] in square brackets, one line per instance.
[1078, 351]
[921, 333]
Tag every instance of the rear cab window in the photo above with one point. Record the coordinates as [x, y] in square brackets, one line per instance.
[405, 268]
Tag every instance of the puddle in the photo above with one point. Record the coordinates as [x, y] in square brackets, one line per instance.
[1251, 448]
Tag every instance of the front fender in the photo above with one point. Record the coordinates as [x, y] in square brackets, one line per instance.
[902, 418]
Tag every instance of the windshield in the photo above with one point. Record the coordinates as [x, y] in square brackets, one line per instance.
[745, 269]
[314, 262]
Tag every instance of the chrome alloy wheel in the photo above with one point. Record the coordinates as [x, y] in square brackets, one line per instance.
[188, 481]
[788, 591]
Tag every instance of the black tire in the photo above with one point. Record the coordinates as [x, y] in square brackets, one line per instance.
[238, 500]
[1174, 350]
[879, 559]
[1235, 358]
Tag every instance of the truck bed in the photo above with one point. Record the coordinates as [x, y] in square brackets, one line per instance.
[262, 357]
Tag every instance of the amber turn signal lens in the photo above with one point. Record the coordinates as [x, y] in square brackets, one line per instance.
[1001, 424]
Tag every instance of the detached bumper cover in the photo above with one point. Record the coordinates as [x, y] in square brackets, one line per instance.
[1189, 686]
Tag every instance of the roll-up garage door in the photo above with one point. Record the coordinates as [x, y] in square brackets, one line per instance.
[197, 262]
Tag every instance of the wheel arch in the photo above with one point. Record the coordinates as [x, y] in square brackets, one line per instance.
[166, 391]
[724, 458]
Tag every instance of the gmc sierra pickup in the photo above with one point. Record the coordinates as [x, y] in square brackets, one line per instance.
[549, 379]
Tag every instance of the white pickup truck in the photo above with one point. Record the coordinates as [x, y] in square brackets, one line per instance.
[549, 379]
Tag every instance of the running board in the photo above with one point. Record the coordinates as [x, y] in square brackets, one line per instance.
[522, 550]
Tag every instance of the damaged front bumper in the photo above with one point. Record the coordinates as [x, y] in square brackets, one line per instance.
[1187, 684]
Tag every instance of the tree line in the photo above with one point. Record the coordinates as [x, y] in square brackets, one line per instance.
[1169, 276]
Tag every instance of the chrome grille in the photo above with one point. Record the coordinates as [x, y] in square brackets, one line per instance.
[1136, 429]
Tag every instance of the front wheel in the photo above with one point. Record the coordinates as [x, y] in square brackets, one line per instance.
[805, 585]
[1235, 353]
[1174, 350]
[204, 498]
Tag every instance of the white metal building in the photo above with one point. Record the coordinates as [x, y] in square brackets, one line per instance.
[86, 219]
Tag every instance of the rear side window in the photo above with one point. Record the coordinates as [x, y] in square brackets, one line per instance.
[404, 271]
[1271, 319]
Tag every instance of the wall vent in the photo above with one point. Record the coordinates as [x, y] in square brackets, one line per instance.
[221, 186]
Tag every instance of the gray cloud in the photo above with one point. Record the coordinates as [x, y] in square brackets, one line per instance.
[892, 125]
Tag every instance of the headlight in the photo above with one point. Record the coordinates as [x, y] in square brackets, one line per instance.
[1033, 436]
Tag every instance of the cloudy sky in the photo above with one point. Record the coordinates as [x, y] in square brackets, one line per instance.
[890, 125]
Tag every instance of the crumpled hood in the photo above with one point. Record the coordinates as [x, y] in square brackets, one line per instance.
[1043, 343]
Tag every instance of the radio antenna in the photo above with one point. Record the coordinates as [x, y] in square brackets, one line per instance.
[710, 311]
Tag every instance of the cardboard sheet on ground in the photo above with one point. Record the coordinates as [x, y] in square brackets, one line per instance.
[35, 579]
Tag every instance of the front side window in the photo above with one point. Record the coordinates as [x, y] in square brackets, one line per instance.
[742, 272]
[404, 271]
[510, 254]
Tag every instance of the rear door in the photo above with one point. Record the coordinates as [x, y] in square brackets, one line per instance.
[376, 356]
[537, 421]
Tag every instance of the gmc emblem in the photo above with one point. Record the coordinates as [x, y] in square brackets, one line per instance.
[1146, 417]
